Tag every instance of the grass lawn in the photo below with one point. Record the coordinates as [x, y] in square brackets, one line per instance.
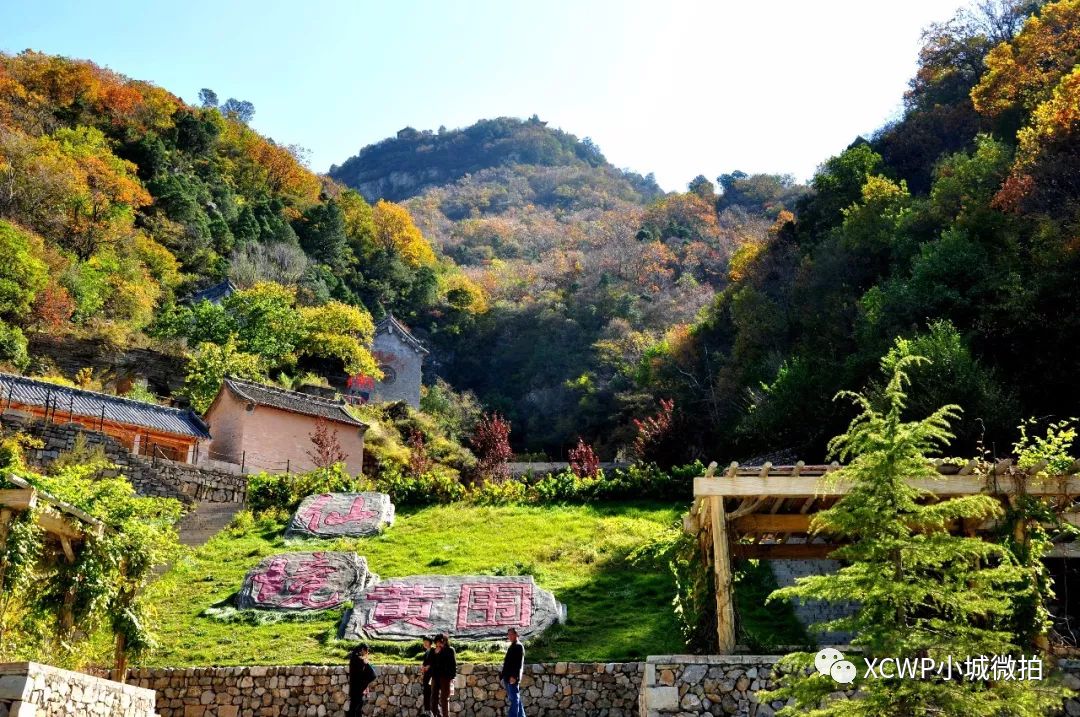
[616, 610]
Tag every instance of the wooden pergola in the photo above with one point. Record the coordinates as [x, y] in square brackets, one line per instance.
[765, 512]
[66, 527]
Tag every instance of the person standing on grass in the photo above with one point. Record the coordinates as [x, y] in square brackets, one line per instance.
[444, 670]
[426, 674]
[512, 669]
[361, 675]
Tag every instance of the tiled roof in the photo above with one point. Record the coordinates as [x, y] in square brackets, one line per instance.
[91, 404]
[393, 326]
[292, 401]
[214, 294]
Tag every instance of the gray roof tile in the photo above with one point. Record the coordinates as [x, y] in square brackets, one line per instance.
[293, 401]
[91, 404]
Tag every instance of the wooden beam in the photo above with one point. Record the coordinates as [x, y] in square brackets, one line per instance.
[725, 608]
[69, 552]
[783, 551]
[769, 523]
[6, 514]
[19, 498]
[59, 525]
[741, 486]
[1063, 550]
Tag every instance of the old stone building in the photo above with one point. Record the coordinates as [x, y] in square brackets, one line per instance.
[401, 358]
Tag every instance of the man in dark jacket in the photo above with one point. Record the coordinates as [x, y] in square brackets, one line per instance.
[361, 675]
[426, 674]
[512, 669]
[444, 670]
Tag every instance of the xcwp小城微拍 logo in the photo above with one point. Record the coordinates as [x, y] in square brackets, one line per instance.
[831, 663]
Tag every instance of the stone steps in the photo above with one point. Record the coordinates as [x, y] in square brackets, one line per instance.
[206, 521]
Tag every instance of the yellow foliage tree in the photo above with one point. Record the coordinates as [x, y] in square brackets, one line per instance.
[395, 230]
[341, 331]
[1024, 72]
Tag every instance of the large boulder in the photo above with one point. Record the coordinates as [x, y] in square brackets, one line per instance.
[469, 607]
[305, 581]
[335, 515]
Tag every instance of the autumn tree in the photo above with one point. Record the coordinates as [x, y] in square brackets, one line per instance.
[583, 460]
[490, 442]
[208, 99]
[653, 431]
[326, 450]
[395, 231]
[419, 460]
[22, 272]
[208, 366]
[239, 110]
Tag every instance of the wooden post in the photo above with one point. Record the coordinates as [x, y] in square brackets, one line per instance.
[67, 610]
[6, 515]
[725, 608]
[119, 673]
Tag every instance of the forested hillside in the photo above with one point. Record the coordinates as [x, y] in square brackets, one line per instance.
[584, 265]
[752, 301]
[403, 166]
[117, 199]
[955, 227]
[573, 297]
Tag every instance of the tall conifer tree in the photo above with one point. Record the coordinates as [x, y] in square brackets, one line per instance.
[920, 592]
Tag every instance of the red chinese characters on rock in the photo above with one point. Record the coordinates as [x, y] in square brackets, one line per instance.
[410, 604]
[315, 518]
[494, 605]
[279, 586]
[357, 513]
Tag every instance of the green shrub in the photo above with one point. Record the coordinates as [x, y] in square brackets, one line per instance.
[509, 492]
[13, 347]
[281, 494]
[285, 491]
[435, 486]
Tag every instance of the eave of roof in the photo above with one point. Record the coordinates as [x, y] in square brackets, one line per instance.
[391, 325]
[291, 401]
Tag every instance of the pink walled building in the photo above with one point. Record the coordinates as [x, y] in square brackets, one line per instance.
[268, 428]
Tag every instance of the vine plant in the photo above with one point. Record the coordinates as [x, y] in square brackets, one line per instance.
[1031, 523]
[101, 591]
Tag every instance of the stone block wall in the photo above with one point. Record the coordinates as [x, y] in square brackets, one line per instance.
[405, 364]
[28, 689]
[707, 685]
[809, 612]
[564, 689]
[681, 685]
[158, 477]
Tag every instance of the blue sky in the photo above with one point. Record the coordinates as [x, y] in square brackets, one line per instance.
[673, 87]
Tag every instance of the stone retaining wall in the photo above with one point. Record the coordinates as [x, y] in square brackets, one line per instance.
[707, 684]
[153, 477]
[681, 685]
[28, 689]
[565, 689]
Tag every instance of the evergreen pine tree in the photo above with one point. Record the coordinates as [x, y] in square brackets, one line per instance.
[920, 591]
